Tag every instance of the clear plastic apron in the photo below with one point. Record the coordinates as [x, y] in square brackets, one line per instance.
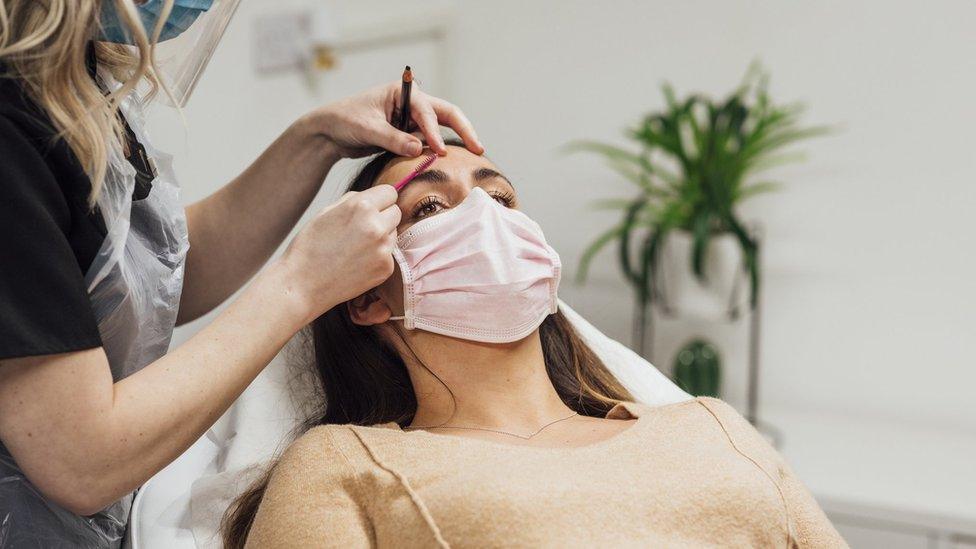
[134, 285]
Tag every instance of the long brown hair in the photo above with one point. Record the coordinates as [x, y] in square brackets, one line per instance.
[364, 381]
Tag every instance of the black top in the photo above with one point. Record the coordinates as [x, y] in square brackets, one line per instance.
[49, 235]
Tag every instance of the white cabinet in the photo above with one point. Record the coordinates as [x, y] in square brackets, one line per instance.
[871, 535]
[885, 484]
[962, 542]
[859, 536]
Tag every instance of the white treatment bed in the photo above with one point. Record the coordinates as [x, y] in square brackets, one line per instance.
[180, 507]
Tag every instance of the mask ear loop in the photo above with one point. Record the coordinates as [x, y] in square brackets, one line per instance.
[408, 293]
[396, 329]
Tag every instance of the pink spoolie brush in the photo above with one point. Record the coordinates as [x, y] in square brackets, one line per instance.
[417, 171]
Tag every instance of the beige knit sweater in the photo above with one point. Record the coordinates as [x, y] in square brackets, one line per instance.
[692, 474]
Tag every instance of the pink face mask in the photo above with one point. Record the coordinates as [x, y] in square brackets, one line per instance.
[479, 271]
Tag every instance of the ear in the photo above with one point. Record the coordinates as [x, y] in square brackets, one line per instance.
[368, 309]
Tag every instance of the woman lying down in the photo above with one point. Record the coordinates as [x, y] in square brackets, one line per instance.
[461, 409]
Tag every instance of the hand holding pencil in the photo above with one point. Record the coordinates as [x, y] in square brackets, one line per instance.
[369, 122]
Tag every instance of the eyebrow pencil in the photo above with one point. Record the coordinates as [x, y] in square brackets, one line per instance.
[417, 171]
[404, 123]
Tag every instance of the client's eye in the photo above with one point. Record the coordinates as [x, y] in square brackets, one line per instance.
[505, 198]
[427, 207]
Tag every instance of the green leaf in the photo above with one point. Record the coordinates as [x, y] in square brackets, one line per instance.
[612, 152]
[697, 158]
[765, 163]
[750, 252]
[754, 189]
[702, 232]
[594, 248]
[650, 252]
[628, 172]
[628, 224]
[611, 204]
[650, 255]
[669, 96]
[631, 166]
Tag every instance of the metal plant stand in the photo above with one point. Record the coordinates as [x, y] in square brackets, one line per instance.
[644, 332]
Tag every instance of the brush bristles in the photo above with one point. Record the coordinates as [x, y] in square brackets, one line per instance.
[417, 171]
[426, 163]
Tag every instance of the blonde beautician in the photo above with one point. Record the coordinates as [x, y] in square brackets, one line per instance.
[98, 260]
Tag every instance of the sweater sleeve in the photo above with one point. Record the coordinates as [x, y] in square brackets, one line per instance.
[312, 499]
[810, 525]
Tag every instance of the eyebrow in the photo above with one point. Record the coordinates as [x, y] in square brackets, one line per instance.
[431, 176]
[438, 176]
[487, 173]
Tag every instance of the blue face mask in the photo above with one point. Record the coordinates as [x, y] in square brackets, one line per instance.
[184, 13]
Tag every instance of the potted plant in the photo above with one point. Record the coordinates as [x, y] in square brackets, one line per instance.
[695, 162]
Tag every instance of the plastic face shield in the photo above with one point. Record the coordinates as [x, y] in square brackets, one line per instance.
[182, 60]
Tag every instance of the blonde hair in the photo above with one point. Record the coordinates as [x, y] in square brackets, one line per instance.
[44, 44]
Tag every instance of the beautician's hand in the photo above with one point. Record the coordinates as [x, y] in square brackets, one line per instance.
[361, 124]
[344, 251]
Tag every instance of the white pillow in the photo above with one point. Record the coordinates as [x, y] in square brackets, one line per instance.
[260, 423]
[640, 377]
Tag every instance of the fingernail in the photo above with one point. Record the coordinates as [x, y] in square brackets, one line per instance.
[414, 148]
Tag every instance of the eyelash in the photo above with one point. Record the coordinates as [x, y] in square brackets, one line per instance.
[506, 197]
[418, 210]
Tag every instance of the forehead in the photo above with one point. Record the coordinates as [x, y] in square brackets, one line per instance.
[458, 163]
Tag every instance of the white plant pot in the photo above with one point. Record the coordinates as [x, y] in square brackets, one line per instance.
[726, 284]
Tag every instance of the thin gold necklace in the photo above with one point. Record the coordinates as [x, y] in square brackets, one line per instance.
[523, 437]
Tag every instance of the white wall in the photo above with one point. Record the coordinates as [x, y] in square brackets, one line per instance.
[870, 304]
[870, 301]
